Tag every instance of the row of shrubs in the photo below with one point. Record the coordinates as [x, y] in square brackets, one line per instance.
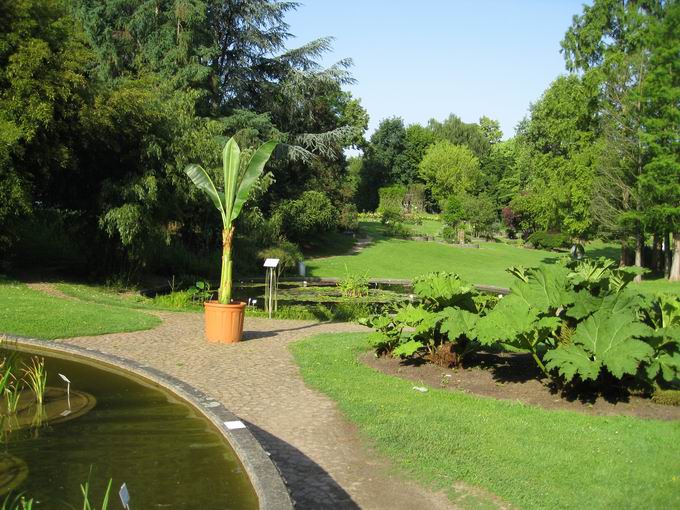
[579, 321]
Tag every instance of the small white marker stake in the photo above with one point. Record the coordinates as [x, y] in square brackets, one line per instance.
[232, 425]
[68, 389]
[124, 496]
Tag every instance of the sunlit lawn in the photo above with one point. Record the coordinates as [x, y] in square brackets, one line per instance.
[405, 259]
[529, 457]
[28, 312]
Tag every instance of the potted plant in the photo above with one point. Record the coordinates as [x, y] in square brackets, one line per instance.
[224, 319]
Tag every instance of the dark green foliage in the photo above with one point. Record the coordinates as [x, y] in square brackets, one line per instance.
[549, 240]
[447, 309]
[391, 215]
[454, 212]
[457, 132]
[348, 218]
[305, 217]
[101, 122]
[450, 234]
[579, 322]
[397, 229]
[288, 254]
[391, 197]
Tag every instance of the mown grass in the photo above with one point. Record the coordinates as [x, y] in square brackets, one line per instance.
[529, 457]
[31, 313]
[405, 259]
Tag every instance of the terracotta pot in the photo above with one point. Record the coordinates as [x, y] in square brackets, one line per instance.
[224, 323]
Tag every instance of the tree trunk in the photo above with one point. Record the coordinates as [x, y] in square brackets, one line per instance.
[639, 247]
[224, 294]
[667, 254]
[623, 259]
[656, 251]
[675, 265]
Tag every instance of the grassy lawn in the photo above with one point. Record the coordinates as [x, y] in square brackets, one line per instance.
[398, 258]
[107, 296]
[28, 312]
[530, 457]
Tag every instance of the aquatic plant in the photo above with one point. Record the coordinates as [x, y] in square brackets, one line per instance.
[18, 502]
[85, 490]
[354, 285]
[13, 395]
[36, 377]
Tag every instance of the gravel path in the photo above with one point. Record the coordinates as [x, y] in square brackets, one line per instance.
[320, 455]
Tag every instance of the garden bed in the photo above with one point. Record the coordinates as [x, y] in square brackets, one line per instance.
[514, 377]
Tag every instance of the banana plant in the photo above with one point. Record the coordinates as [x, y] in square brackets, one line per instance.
[229, 202]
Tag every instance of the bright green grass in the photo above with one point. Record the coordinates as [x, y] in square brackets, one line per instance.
[397, 258]
[428, 227]
[530, 457]
[28, 312]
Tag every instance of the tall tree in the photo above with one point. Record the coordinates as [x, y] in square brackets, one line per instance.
[383, 161]
[555, 155]
[660, 181]
[611, 42]
[458, 132]
[43, 88]
[449, 169]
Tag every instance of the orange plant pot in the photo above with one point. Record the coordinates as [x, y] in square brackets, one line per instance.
[224, 323]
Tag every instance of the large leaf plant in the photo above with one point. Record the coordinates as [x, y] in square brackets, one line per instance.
[238, 184]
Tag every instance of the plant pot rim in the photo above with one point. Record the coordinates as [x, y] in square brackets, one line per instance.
[217, 304]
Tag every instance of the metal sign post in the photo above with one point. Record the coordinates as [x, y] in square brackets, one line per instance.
[271, 286]
[68, 389]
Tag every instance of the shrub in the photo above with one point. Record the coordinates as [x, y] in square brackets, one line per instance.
[579, 322]
[454, 212]
[391, 215]
[549, 241]
[397, 229]
[288, 253]
[348, 218]
[311, 214]
[391, 197]
[354, 285]
[438, 326]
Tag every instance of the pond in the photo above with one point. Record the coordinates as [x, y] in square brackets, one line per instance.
[111, 426]
[298, 293]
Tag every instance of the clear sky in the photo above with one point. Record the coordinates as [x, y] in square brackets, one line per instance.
[419, 59]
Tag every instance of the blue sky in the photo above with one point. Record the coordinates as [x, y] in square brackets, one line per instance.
[428, 58]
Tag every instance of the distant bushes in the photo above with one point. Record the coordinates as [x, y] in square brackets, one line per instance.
[309, 215]
[549, 241]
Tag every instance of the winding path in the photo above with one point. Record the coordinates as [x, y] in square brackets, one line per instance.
[321, 456]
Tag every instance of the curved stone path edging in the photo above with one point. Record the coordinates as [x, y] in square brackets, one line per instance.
[320, 455]
[263, 474]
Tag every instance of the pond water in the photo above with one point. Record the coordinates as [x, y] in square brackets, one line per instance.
[122, 429]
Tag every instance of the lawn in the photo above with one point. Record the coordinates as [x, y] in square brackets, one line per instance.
[398, 258]
[529, 457]
[32, 313]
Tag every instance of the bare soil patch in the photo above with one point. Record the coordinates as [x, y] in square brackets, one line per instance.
[514, 377]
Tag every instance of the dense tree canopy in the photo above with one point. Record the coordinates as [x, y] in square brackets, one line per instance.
[104, 102]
